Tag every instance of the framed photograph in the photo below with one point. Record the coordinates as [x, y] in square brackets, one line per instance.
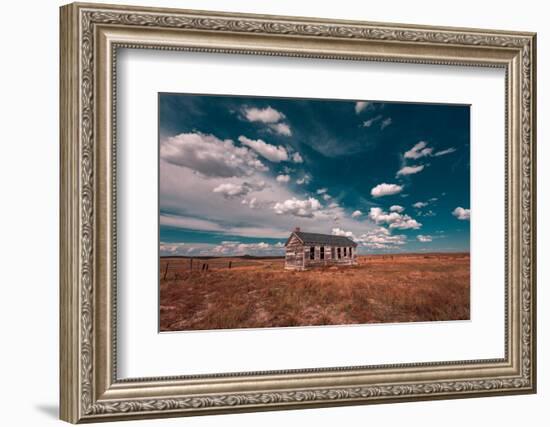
[266, 212]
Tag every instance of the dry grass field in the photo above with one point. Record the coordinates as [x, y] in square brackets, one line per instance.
[254, 293]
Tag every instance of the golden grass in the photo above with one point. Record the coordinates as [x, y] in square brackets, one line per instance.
[259, 293]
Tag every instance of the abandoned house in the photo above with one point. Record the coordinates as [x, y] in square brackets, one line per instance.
[308, 250]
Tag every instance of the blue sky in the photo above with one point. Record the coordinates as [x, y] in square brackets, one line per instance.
[237, 174]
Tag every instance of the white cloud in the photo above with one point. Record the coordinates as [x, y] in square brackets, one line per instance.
[424, 238]
[191, 223]
[406, 223]
[368, 123]
[379, 216]
[251, 203]
[224, 248]
[393, 219]
[296, 207]
[322, 190]
[339, 232]
[281, 128]
[209, 155]
[233, 248]
[409, 170]
[283, 178]
[386, 190]
[420, 205]
[187, 201]
[381, 238]
[360, 106]
[443, 152]
[264, 115]
[327, 197]
[306, 179]
[356, 214]
[230, 190]
[297, 158]
[269, 116]
[173, 249]
[385, 123]
[397, 208]
[461, 213]
[273, 153]
[418, 151]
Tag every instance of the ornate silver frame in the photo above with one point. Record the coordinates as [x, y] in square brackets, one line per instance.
[90, 36]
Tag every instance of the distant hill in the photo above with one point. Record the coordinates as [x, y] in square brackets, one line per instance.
[225, 257]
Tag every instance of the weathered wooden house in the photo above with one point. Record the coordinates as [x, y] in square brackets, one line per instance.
[309, 250]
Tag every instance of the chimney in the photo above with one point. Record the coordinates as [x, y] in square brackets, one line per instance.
[297, 229]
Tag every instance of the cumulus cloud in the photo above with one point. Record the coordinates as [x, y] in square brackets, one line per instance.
[264, 115]
[385, 123]
[393, 219]
[424, 238]
[356, 214]
[251, 203]
[209, 155]
[270, 116]
[397, 208]
[297, 158]
[224, 248]
[381, 238]
[302, 208]
[462, 214]
[410, 170]
[230, 190]
[420, 150]
[173, 249]
[360, 106]
[282, 178]
[443, 152]
[232, 248]
[420, 205]
[322, 190]
[281, 128]
[272, 153]
[327, 197]
[339, 232]
[386, 190]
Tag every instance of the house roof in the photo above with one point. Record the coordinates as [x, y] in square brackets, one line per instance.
[322, 239]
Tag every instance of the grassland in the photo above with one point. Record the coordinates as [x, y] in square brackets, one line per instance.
[257, 293]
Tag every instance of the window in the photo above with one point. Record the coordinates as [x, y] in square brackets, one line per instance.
[351, 252]
[339, 253]
[322, 252]
[312, 252]
[333, 252]
[345, 252]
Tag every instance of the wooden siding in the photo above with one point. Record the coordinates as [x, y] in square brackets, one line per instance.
[298, 255]
[294, 257]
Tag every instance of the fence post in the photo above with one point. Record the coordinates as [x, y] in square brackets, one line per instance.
[165, 271]
[229, 264]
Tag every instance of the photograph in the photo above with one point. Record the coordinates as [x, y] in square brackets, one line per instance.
[270, 210]
[280, 212]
